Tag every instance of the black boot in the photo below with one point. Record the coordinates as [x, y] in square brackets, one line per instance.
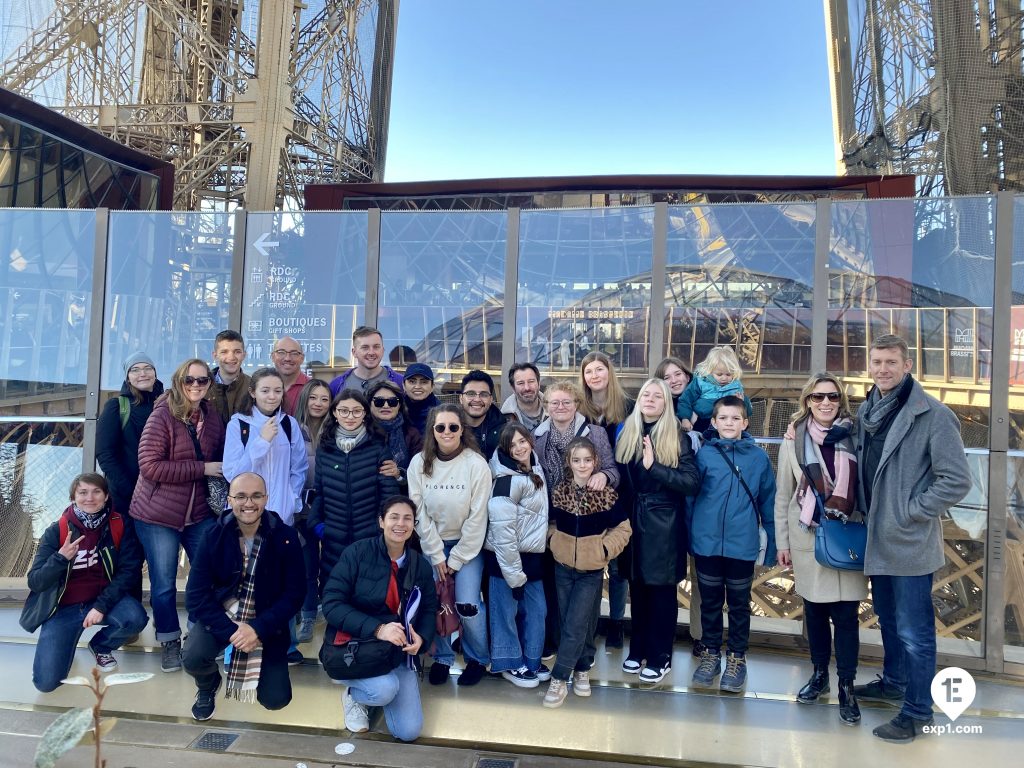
[614, 634]
[849, 711]
[817, 685]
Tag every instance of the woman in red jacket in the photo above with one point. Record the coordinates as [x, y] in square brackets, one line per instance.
[181, 445]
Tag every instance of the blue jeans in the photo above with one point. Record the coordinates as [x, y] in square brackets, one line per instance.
[472, 614]
[58, 637]
[161, 545]
[517, 627]
[579, 603]
[906, 616]
[399, 693]
[618, 589]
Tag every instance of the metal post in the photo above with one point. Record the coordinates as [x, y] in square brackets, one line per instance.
[656, 319]
[511, 298]
[819, 291]
[94, 368]
[372, 267]
[994, 634]
[238, 272]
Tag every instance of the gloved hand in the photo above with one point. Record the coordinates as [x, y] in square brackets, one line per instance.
[318, 529]
[518, 593]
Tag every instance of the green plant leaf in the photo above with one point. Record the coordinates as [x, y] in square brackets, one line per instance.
[77, 681]
[127, 677]
[106, 726]
[63, 734]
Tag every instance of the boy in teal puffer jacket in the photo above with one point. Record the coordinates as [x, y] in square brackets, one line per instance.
[737, 496]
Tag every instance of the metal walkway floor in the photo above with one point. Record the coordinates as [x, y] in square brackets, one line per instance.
[669, 724]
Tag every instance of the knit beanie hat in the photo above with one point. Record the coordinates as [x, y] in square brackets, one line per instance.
[136, 358]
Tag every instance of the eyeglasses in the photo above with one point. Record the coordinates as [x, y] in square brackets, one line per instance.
[477, 395]
[390, 402]
[242, 498]
[137, 369]
[191, 381]
[453, 428]
[288, 353]
[350, 413]
[561, 403]
[819, 397]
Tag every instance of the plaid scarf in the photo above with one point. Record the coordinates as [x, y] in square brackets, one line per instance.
[244, 673]
[838, 490]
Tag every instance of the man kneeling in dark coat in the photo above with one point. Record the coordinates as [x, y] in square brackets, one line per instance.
[246, 583]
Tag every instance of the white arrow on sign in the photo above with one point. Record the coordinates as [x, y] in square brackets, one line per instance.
[262, 244]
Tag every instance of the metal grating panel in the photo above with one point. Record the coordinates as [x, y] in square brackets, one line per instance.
[214, 741]
[496, 762]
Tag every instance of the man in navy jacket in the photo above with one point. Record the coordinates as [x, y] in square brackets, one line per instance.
[246, 584]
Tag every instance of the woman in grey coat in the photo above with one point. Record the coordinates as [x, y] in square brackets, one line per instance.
[821, 451]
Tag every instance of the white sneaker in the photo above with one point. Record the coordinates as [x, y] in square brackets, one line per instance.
[557, 691]
[357, 719]
[653, 675]
[581, 683]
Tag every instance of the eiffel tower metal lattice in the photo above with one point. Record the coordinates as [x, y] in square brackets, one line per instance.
[250, 100]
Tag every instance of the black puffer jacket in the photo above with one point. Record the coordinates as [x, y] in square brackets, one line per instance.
[280, 581]
[356, 591]
[656, 499]
[348, 492]
[117, 450]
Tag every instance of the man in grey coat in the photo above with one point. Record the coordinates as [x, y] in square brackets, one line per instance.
[912, 470]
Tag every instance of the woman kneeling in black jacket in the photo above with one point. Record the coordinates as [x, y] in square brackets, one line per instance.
[364, 597]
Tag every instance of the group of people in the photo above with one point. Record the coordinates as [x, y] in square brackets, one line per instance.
[518, 511]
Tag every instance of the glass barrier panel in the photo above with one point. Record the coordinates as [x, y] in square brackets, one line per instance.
[168, 288]
[958, 589]
[442, 289]
[45, 306]
[585, 286]
[305, 277]
[1016, 336]
[742, 276]
[38, 460]
[923, 270]
[1014, 552]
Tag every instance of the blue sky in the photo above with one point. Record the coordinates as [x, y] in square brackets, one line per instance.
[492, 88]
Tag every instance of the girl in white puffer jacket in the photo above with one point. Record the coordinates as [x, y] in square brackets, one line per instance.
[513, 555]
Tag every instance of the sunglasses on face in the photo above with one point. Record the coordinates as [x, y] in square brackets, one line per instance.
[820, 397]
[191, 381]
[453, 428]
[390, 402]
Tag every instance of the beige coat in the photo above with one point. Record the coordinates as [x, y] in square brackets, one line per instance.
[814, 582]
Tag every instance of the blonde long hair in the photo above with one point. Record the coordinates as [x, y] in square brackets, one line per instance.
[179, 405]
[614, 411]
[664, 436]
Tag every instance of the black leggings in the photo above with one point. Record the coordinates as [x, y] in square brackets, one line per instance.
[725, 580]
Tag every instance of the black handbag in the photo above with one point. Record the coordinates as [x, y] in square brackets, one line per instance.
[360, 658]
[838, 544]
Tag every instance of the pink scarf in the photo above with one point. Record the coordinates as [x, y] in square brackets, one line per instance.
[838, 493]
